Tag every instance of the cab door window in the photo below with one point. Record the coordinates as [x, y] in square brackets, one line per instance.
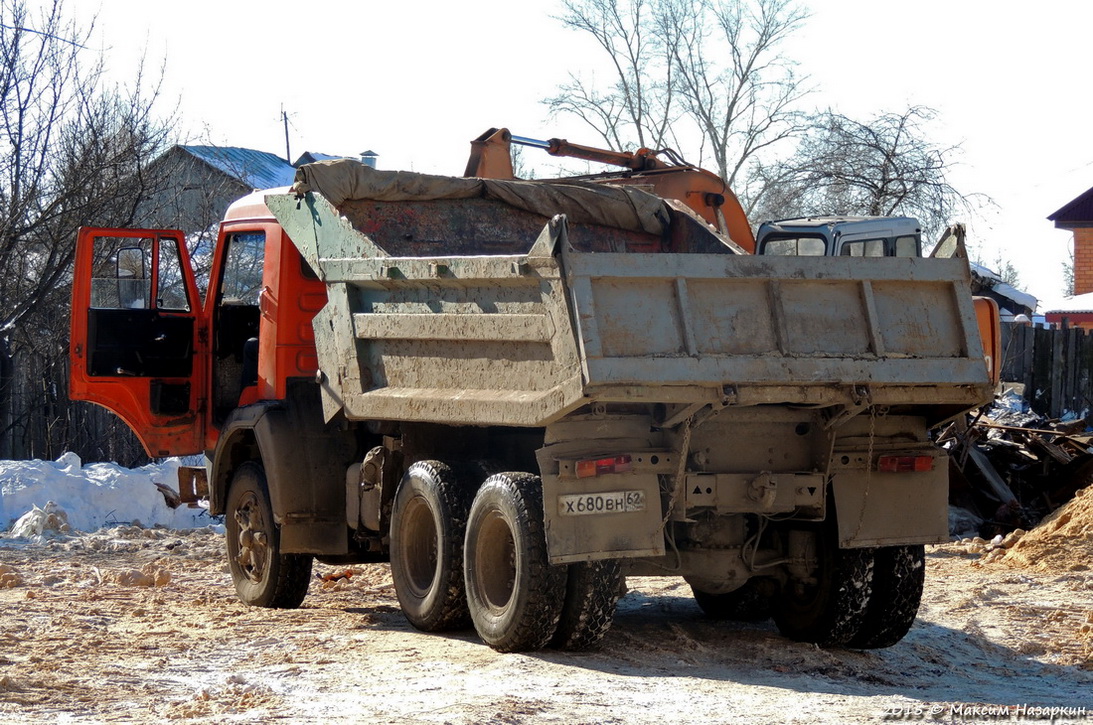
[242, 279]
[137, 291]
[122, 275]
[237, 317]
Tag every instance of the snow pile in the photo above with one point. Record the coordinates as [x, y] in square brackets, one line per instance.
[35, 522]
[91, 497]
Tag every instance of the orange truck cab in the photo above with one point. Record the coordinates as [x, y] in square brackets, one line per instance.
[175, 369]
[206, 378]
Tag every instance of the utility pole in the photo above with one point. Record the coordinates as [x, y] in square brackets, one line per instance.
[284, 119]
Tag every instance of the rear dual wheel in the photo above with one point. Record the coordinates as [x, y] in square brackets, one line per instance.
[454, 561]
[899, 573]
[517, 599]
[514, 595]
[428, 523]
[592, 592]
[829, 608]
[862, 598]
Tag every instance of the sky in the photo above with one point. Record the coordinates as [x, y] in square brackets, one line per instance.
[416, 81]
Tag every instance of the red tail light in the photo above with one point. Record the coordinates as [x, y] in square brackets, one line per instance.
[603, 466]
[905, 464]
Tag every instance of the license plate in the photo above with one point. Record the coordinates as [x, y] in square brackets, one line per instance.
[610, 502]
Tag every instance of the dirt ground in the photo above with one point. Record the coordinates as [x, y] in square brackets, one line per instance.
[142, 625]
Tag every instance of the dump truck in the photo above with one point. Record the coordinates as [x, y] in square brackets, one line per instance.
[521, 393]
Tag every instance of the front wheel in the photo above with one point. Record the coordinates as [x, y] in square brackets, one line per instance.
[515, 596]
[263, 576]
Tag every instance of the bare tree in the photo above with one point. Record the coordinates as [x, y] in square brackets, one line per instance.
[73, 154]
[1007, 270]
[881, 167]
[638, 103]
[696, 73]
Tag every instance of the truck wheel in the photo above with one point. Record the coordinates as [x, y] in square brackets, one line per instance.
[428, 523]
[899, 573]
[746, 604]
[263, 576]
[829, 609]
[515, 596]
[592, 590]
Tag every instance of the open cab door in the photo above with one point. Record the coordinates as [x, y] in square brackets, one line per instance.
[139, 340]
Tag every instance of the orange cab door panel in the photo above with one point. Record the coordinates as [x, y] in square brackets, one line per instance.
[990, 330]
[138, 341]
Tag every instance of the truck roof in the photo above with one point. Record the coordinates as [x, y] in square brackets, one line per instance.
[850, 226]
[252, 206]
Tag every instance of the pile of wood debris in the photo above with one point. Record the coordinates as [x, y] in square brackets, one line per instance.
[1010, 469]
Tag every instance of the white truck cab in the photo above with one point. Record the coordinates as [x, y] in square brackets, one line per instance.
[846, 236]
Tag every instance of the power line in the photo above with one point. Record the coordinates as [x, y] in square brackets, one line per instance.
[51, 36]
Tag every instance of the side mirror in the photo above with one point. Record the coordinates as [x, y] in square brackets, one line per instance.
[130, 264]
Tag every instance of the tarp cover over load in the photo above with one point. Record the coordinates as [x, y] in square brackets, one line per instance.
[622, 207]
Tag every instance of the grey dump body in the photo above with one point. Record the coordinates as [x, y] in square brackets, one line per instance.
[612, 323]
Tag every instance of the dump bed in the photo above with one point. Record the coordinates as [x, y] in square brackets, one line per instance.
[514, 303]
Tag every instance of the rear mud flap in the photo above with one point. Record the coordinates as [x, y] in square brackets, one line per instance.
[892, 509]
[607, 517]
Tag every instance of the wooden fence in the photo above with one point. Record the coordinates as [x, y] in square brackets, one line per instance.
[1055, 366]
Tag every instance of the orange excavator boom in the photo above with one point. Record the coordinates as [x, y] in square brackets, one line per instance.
[704, 192]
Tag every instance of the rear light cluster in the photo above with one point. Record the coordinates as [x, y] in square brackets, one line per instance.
[905, 464]
[603, 466]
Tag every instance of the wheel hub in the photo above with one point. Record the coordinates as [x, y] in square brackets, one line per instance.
[252, 540]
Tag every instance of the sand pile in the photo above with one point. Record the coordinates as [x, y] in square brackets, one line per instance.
[1062, 542]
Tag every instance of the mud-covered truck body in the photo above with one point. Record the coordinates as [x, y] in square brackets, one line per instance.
[521, 392]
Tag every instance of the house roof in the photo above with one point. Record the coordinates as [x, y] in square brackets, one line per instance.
[1075, 304]
[310, 157]
[1008, 296]
[256, 169]
[1077, 213]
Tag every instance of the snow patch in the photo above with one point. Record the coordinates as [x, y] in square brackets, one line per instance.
[92, 496]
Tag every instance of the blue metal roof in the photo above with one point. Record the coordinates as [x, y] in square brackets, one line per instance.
[256, 169]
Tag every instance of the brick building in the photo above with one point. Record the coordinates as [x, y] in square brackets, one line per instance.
[1077, 216]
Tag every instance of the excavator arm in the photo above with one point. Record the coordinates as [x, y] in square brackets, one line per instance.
[704, 192]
